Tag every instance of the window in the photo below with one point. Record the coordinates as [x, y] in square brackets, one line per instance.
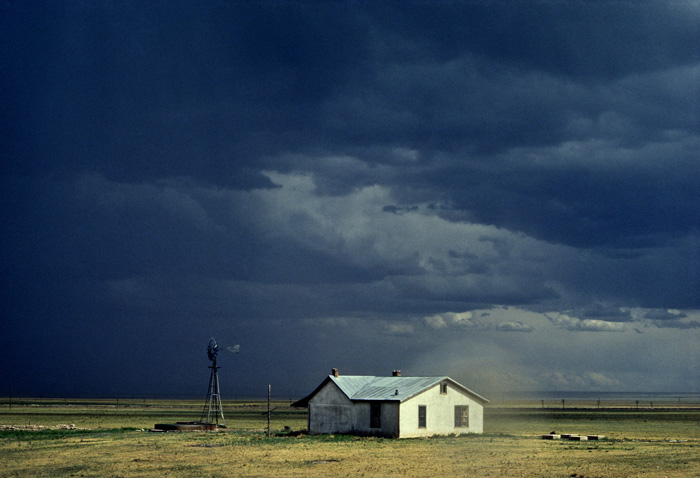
[443, 388]
[421, 416]
[375, 415]
[461, 416]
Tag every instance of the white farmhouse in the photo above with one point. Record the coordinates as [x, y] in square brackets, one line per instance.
[395, 406]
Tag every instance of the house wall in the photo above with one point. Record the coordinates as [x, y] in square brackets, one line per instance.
[439, 413]
[330, 411]
[389, 419]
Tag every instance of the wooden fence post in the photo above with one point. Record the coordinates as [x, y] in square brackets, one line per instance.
[269, 390]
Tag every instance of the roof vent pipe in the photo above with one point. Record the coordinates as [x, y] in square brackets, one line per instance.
[396, 392]
[334, 372]
[396, 373]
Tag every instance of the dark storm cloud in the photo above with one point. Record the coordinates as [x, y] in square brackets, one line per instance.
[613, 188]
[590, 40]
[587, 161]
[674, 319]
[663, 315]
[609, 314]
[148, 91]
[385, 170]
[398, 210]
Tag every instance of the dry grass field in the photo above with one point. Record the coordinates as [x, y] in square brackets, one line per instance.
[111, 439]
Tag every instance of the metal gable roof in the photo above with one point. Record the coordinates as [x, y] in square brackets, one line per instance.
[351, 384]
[386, 388]
[395, 388]
[368, 387]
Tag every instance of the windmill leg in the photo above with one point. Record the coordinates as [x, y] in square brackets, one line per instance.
[206, 411]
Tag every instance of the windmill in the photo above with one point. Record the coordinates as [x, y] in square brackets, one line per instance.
[212, 405]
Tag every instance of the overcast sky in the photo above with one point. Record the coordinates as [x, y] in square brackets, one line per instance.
[507, 193]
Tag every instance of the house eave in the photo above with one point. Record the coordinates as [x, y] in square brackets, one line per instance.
[304, 402]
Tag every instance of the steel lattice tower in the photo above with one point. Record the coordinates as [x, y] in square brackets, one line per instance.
[212, 404]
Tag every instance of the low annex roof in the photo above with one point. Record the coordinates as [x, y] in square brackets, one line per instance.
[369, 387]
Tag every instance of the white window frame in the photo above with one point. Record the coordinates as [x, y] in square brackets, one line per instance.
[423, 408]
[461, 416]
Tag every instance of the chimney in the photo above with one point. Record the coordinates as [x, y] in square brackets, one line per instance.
[396, 373]
[334, 372]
